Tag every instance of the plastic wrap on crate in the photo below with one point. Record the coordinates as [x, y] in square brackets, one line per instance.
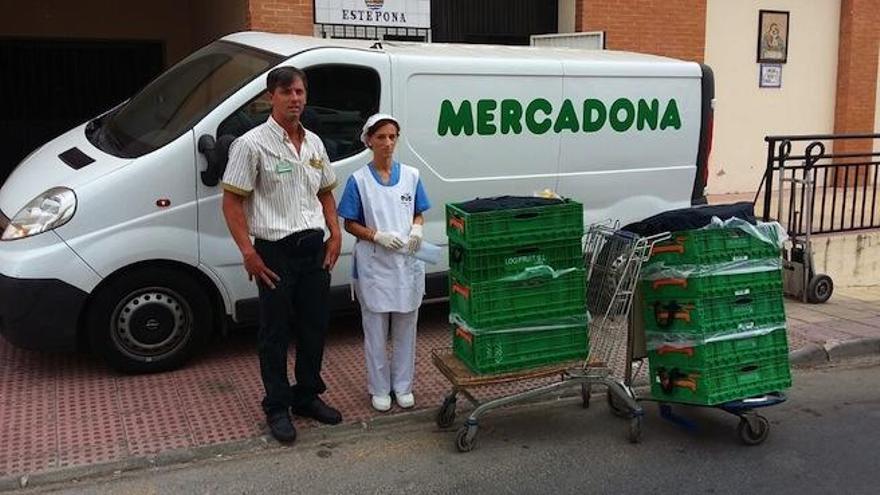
[554, 324]
[656, 340]
[539, 271]
[770, 232]
[659, 271]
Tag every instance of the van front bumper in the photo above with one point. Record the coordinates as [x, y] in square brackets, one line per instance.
[40, 314]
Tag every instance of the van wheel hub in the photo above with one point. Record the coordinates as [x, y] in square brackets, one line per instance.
[151, 323]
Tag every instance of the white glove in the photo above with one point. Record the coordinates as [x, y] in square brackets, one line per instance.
[415, 238]
[388, 240]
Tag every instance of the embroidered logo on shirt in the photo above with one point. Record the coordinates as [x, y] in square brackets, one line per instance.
[406, 198]
[316, 162]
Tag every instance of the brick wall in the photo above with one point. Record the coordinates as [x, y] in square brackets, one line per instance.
[282, 16]
[673, 28]
[857, 74]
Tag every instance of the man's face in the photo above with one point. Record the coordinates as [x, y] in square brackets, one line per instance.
[288, 101]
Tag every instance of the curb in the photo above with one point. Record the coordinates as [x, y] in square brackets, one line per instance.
[834, 350]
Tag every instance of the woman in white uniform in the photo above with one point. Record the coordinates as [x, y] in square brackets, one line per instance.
[382, 206]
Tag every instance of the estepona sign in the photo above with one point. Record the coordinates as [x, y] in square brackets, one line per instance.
[384, 13]
[489, 117]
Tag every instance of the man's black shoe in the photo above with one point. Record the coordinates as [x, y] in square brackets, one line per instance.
[319, 411]
[281, 427]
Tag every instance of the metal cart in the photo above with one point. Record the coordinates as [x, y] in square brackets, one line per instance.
[799, 277]
[613, 260]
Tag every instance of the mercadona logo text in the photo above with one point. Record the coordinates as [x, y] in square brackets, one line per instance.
[488, 117]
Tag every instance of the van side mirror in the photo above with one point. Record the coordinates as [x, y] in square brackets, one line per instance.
[216, 154]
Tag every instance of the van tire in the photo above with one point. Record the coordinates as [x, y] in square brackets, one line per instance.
[149, 320]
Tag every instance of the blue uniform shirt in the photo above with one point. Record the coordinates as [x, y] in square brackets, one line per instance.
[350, 207]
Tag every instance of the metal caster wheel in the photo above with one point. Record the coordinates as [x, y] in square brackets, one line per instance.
[635, 429]
[446, 414]
[614, 404]
[586, 390]
[466, 439]
[753, 432]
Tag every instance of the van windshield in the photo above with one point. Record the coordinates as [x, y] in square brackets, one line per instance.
[175, 101]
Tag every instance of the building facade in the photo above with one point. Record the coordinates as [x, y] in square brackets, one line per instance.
[72, 60]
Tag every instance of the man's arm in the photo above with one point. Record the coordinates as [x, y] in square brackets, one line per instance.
[334, 244]
[233, 211]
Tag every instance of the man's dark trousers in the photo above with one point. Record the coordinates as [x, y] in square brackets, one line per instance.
[295, 309]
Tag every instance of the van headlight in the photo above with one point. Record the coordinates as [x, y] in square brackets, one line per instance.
[49, 210]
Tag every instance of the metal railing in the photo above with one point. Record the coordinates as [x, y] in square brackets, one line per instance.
[839, 187]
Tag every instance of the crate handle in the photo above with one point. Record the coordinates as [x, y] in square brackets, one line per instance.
[668, 349]
[464, 291]
[525, 216]
[456, 223]
[527, 250]
[678, 312]
[682, 282]
[744, 300]
[749, 368]
[673, 248]
[456, 254]
[464, 334]
[675, 378]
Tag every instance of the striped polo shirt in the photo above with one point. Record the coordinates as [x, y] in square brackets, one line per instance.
[281, 185]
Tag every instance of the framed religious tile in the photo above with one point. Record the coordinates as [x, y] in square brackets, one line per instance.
[771, 76]
[773, 36]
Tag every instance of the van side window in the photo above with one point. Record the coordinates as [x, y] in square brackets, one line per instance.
[340, 99]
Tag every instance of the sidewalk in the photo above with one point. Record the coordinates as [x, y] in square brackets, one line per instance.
[60, 411]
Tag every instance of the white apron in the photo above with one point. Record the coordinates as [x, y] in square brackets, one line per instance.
[385, 280]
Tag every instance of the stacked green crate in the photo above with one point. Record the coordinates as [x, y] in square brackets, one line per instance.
[516, 286]
[714, 316]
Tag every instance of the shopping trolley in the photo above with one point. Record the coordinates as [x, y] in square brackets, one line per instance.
[613, 259]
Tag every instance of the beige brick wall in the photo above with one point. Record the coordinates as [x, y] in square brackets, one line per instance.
[673, 28]
[282, 16]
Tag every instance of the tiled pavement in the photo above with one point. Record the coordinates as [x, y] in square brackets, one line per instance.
[58, 410]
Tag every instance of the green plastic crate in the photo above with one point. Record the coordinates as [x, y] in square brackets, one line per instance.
[563, 220]
[479, 265]
[498, 352]
[495, 303]
[738, 284]
[722, 353]
[709, 246]
[719, 385]
[715, 315]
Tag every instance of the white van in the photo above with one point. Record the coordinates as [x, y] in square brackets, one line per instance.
[113, 236]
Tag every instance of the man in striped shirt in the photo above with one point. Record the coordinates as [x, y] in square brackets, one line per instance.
[278, 187]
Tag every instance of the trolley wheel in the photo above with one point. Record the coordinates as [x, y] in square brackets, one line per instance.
[753, 436]
[820, 289]
[466, 438]
[586, 390]
[635, 429]
[446, 414]
[617, 409]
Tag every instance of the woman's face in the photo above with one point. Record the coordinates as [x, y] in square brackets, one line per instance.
[384, 139]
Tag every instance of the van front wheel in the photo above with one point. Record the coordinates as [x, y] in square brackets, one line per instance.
[149, 320]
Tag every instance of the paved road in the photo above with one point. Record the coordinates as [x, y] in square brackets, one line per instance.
[824, 440]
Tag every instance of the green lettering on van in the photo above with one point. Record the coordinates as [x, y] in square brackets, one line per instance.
[534, 126]
[485, 116]
[622, 124]
[671, 118]
[595, 114]
[508, 116]
[455, 122]
[511, 116]
[567, 118]
[648, 114]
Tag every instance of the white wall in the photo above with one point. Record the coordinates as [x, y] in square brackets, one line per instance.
[745, 113]
[566, 16]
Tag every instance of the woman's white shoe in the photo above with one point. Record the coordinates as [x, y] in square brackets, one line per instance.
[405, 401]
[381, 403]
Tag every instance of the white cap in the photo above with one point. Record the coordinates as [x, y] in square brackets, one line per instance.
[372, 121]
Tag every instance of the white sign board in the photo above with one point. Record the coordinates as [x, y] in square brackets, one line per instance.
[386, 13]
